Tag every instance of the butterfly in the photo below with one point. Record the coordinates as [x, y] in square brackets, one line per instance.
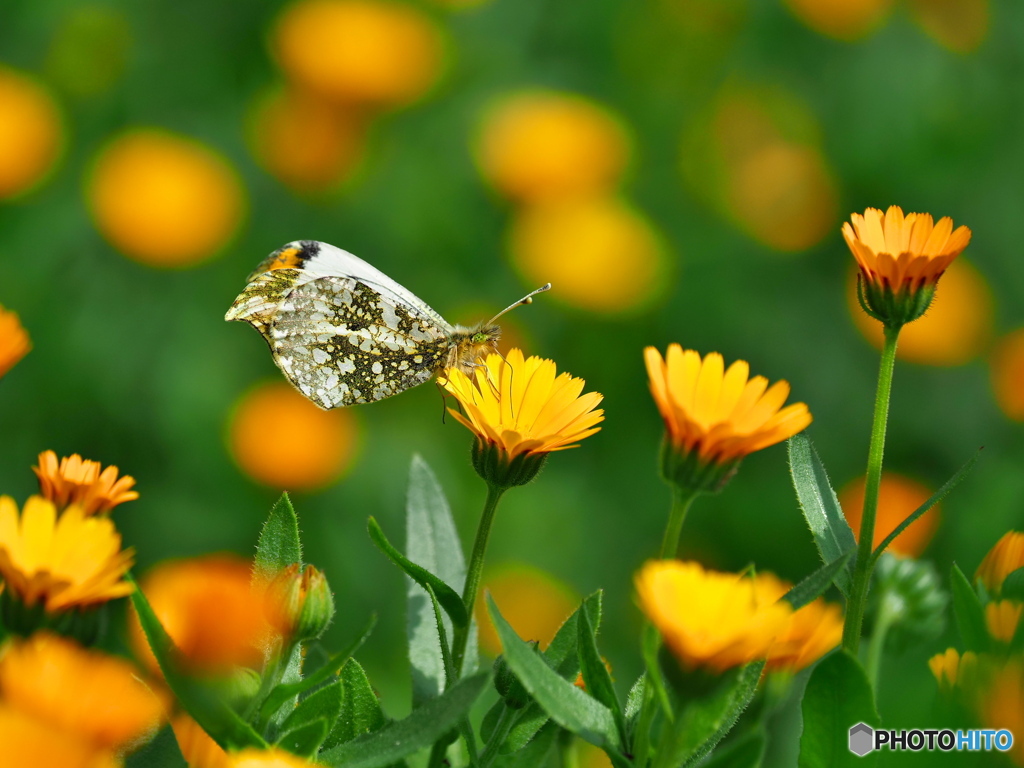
[343, 332]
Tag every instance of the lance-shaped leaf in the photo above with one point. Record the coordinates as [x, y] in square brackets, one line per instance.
[838, 697]
[211, 712]
[360, 710]
[813, 586]
[595, 674]
[279, 545]
[970, 616]
[564, 702]
[421, 729]
[831, 532]
[323, 705]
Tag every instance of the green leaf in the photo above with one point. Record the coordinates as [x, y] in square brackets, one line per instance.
[323, 704]
[831, 532]
[449, 671]
[360, 710]
[934, 499]
[745, 752]
[279, 544]
[704, 723]
[970, 615]
[422, 728]
[595, 674]
[159, 752]
[837, 697]
[432, 541]
[306, 739]
[812, 587]
[534, 754]
[287, 691]
[635, 699]
[1013, 585]
[214, 716]
[650, 649]
[446, 596]
[566, 704]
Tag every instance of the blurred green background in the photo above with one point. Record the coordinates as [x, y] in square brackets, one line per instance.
[755, 127]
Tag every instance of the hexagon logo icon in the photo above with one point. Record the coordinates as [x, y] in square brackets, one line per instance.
[862, 739]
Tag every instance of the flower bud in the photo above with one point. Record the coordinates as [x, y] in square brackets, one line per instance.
[508, 685]
[498, 468]
[302, 603]
[910, 595]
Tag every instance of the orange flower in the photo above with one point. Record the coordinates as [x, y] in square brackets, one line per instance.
[896, 250]
[952, 669]
[1002, 705]
[196, 745]
[75, 560]
[812, 631]
[14, 341]
[31, 133]
[710, 619]
[715, 416]
[83, 692]
[1008, 374]
[29, 742]
[1002, 560]
[1002, 618]
[79, 481]
[209, 608]
[898, 496]
[268, 758]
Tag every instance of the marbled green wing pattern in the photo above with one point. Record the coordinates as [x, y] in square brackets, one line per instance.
[341, 342]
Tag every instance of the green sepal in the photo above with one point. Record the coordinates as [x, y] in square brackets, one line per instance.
[211, 713]
[838, 696]
[420, 729]
[969, 613]
[305, 739]
[564, 702]
[87, 625]
[893, 309]
[691, 473]
[279, 545]
[493, 464]
[832, 534]
[1013, 586]
[706, 721]
[814, 585]
[446, 596]
[281, 694]
[360, 709]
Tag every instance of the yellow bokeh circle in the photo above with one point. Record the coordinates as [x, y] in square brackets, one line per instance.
[31, 133]
[898, 496]
[306, 142]
[955, 329]
[535, 603]
[163, 199]
[542, 144]
[841, 19]
[597, 252]
[282, 440]
[365, 51]
[1008, 374]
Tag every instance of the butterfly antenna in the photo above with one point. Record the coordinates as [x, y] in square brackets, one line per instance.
[527, 299]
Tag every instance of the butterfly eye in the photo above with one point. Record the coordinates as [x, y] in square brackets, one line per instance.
[479, 338]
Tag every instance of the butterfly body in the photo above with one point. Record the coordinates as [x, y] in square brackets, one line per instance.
[344, 333]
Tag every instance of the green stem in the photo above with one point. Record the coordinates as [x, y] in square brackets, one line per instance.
[884, 620]
[862, 569]
[681, 501]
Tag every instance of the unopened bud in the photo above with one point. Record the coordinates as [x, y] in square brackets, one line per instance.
[301, 604]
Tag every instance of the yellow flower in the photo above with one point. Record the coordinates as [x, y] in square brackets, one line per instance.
[80, 482]
[713, 416]
[73, 560]
[31, 133]
[359, 51]
[14, 341]
[281, 439]
[163, 199]
[1002, 560]
[210, 609]
[1002, 618]
[811, 632]
[901, 258]
[29, 742]
[710, 619]
[952, 669]
[898, 496]
[543, 144]
[83, 692]
[269, 758]
[519, 409]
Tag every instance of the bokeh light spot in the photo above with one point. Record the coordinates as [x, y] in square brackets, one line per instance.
[841, 19]
[1008, 374]
[542, 144]
[535, 603]
[955, 329]
[363, 51]
[31, 132]
[958, 25]
[164, 200]
[898, 496]
[597, 252]
[281, 439]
